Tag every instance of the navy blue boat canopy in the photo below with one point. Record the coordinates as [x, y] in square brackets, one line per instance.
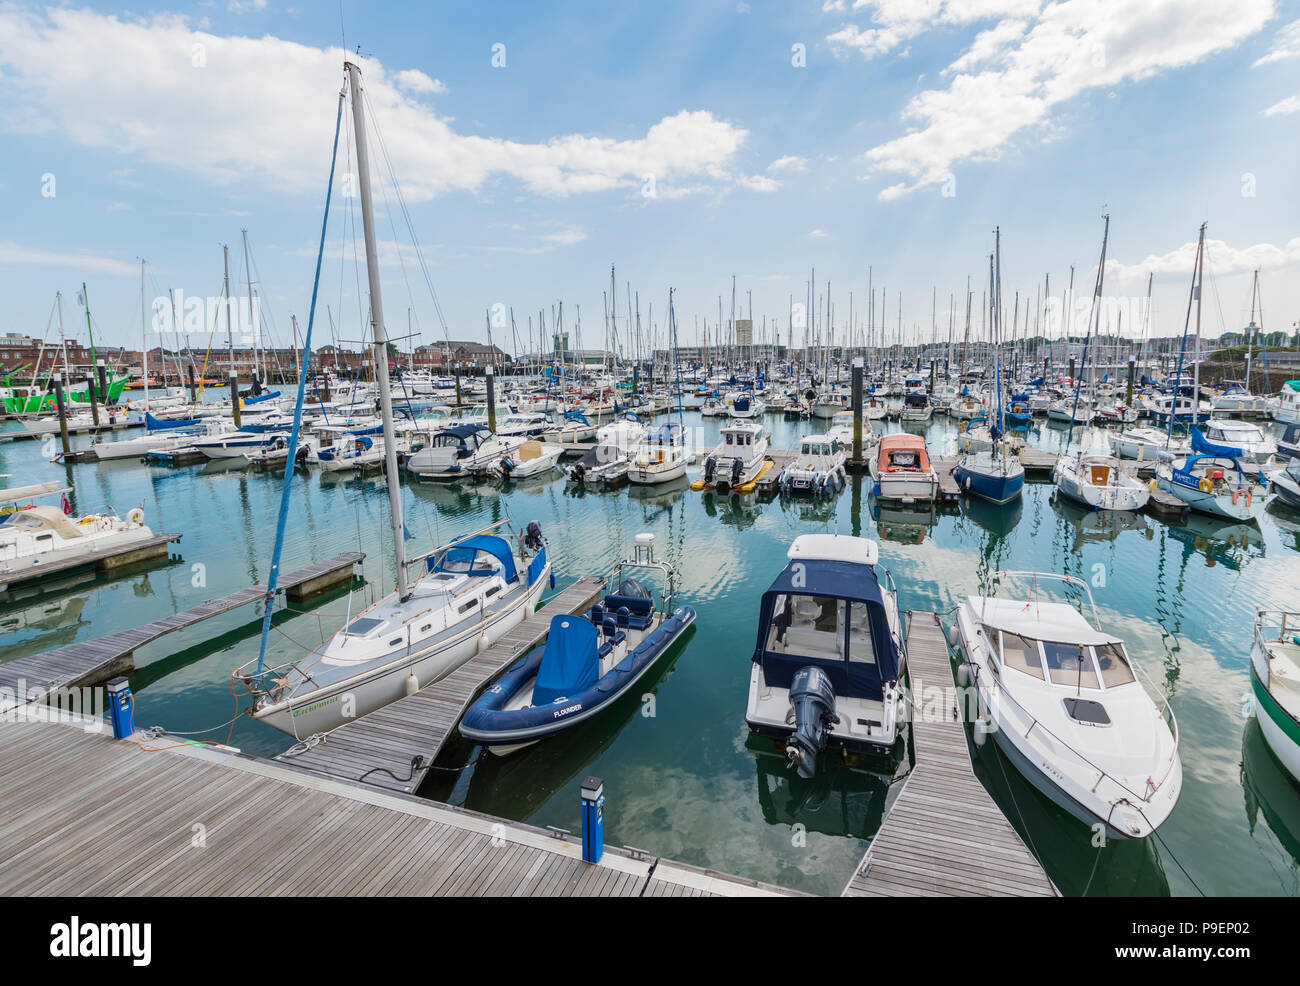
[816, 583]
[463, 557]
[570, 662]
[462, 431]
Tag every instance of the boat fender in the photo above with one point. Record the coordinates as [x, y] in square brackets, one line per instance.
[968, 482]
[1234, 497]
[980, 731]
[1205, 485]
[1153, 486]
[963, 675]
[412, 684]
[954, 635]
[136, 516]
[1250, 495]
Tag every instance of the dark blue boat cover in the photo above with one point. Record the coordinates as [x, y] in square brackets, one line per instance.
[569, 663]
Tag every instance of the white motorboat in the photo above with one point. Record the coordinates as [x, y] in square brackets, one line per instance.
[1244, 441]
[534, 458]
[460, 451]
[902, 471]
[1062, 700]
[1275, 681]
[739, 458]
[525, 424]
[746, 405]
[916, 407]
[31, 536]
[1067, 409]
[1096, 480]
[232, 444]
[828, 663]
[1286, 483]
[609, 460]
[818, 468]
[662, 458]
[1145, 444]
[1285, 407]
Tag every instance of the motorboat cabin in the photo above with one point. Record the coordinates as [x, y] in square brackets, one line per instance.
[827, 664]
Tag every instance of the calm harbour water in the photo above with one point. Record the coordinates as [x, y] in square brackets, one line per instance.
[682, 777]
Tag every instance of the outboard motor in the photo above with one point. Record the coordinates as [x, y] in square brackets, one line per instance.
[533, 535]
[737, 467]
[710, 464]
[813, 700]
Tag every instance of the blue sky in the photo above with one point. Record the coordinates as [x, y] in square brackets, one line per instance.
[910, 131]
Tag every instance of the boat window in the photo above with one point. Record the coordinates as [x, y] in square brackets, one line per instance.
[466, 607]
[363, 626]
[807, 626]
[1021, 653]
[861, 648]
[395, 641]
[1069, 664]
[729, 437]
[1114, 665]
[492, 592]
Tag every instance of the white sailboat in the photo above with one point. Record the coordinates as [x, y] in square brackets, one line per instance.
[469, 593]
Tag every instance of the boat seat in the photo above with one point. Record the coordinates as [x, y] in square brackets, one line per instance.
[597, 614]
[604, 650]
[1100, 475]
[811, 643]
[610, 626]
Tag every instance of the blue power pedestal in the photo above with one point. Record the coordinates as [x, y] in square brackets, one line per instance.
[593, 819]
[119, 707]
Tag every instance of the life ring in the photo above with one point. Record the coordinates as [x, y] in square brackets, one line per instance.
[1234, 497]
[1205, 485]
[136, 516]
[1250, 495]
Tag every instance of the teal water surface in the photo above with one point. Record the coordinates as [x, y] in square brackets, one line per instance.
[683, 779]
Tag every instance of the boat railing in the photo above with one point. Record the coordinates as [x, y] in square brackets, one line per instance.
[1283, 621]
[1054, 576]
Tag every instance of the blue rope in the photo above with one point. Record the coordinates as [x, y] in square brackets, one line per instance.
[287, 485]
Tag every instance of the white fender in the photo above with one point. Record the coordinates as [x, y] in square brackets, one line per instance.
[980, 731]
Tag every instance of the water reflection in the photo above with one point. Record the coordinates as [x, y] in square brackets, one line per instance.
[1270, 791]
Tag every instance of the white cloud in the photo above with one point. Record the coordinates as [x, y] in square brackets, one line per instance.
[413, 80]
[1027, 71]
[790, 162]
[899, 21]
[1285, 45]
[817, 234]
[1284, 108]
[262, 110]
[566, 237]
[13, 253]
[244, 6]
[1222, 260]
[758, 183]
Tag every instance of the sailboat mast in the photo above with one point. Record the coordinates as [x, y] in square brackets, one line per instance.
[144, 339]
[377, 325]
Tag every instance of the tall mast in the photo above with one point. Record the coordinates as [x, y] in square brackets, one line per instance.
[377, 324]
[248, 274]
[144, 339]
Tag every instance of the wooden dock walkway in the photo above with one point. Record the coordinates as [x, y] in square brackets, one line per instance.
[944, 835]
[24, 570]
[87, 815]
[382, 748]
[88, 662]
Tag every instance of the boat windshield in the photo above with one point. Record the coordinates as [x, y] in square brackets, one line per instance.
[1072, 665]
[1068, 664]
[821, 627]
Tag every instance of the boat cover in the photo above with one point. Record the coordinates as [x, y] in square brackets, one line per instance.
[468, 549]
[570, 663]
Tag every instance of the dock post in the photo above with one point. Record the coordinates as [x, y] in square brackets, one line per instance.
[456, 372]
[234, 400]
[593, 819]
[491, 400]
[63, 413]
[194, 388]
[94, 401]
[1128, 394]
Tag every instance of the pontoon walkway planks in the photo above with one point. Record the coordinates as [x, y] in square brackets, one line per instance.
[88, 662]
[944, 835]
[89, 815]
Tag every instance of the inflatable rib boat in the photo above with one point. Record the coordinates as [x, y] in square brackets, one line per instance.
[587, 662]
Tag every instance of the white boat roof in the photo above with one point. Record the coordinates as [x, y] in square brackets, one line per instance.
[16, 493]
[834, 547]
[1056, 622]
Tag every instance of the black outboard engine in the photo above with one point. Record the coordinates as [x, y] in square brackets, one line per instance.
[737, 467]
[710, 464]
[633, 588]
[533, 535]
[813, 700]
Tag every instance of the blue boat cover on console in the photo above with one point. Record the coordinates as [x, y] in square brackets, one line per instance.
[466, 551]
[569, 663]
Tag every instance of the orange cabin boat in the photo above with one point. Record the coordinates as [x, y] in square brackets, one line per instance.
[902, 453]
